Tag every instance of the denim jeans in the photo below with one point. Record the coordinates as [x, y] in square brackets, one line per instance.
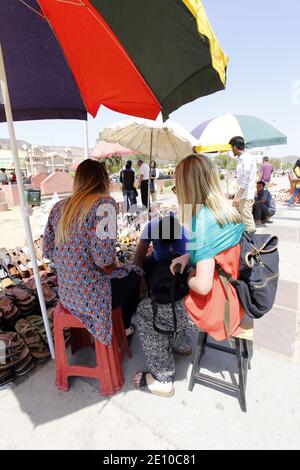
[296, 191]
[129, 199]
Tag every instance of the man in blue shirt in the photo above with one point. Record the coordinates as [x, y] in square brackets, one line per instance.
[168, 238]
[264, 205]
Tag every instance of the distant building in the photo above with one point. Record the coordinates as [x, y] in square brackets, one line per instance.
[38, 161]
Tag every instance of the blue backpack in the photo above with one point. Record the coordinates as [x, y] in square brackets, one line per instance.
[259, 273]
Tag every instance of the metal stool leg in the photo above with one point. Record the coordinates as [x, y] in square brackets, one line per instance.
[246, 360]
[246, 352]
[201, 341]
[242, 386]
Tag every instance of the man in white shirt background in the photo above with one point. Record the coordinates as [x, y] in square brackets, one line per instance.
[246, 181]
[144, 181]
[3, 176]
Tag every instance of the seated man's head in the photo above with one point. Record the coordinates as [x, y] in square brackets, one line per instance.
[260, 186]
[169, 230]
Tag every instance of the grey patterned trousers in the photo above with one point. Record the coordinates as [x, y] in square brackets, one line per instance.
[158, 348]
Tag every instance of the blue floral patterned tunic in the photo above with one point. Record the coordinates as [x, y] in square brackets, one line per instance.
[84, 288]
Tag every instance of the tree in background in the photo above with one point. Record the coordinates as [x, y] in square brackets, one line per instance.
[276, 162]
[221, 162]
[287, 166]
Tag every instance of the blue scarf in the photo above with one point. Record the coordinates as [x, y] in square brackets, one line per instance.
[209, 238]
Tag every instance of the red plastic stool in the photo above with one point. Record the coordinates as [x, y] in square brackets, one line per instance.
[108, 368]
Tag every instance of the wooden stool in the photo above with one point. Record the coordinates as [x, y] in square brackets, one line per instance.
[241, 351]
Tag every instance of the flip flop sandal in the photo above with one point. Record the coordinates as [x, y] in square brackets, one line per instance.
[18, 294]
[21, 357]
[29, 334]
[21, 267]
[6, 378]
[143, 387]
[37, 322]
[30, 366]
[11, 339]
[186, 352]
[26, 259]
[49, 294]
[13, 358]
[5, 303]
[40, 351]
[10, 323]
[50, 278]
[7, 282]
[32, 338]
[3, 272]
[132, 331]
[7, 262]
[5, 374]
[22, 365]
[50, 312]
[7, 308]
[26, 366]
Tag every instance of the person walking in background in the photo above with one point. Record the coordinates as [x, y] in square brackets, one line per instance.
[264, 205]
[153, 177]
[296, 171]
[144, 181]
[266, 171]
[3, 176]
[127, 177]
[13, 178]
[246, 177]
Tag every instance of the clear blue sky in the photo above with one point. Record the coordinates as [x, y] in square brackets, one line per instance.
[262, 39]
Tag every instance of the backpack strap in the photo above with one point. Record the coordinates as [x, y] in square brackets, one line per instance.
[225, 279]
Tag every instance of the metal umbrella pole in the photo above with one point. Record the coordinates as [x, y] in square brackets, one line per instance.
[151, 144]
[86, 140]
[24, 208]
[227, 174]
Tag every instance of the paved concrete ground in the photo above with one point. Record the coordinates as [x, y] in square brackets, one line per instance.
[34, 415]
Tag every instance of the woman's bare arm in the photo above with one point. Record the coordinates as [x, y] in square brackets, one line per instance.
[202, 282]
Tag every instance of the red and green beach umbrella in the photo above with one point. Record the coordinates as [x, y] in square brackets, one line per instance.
[60, 59]
[138, 57]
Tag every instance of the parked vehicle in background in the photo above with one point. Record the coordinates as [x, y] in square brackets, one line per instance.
[115, 178]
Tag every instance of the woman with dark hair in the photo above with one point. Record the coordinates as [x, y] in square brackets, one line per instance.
[80, 238]
[153, 178]
[296, 171]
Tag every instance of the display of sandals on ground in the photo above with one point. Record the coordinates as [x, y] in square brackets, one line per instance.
[23, 340]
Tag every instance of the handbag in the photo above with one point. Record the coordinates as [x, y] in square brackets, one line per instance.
[135, 191]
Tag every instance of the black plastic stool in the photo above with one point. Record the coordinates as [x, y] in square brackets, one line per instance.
[243, 364]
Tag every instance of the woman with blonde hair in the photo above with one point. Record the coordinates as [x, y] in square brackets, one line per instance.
[80, 238]
[213, 253]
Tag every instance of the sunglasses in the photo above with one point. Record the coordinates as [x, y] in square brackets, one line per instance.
[174, 189]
